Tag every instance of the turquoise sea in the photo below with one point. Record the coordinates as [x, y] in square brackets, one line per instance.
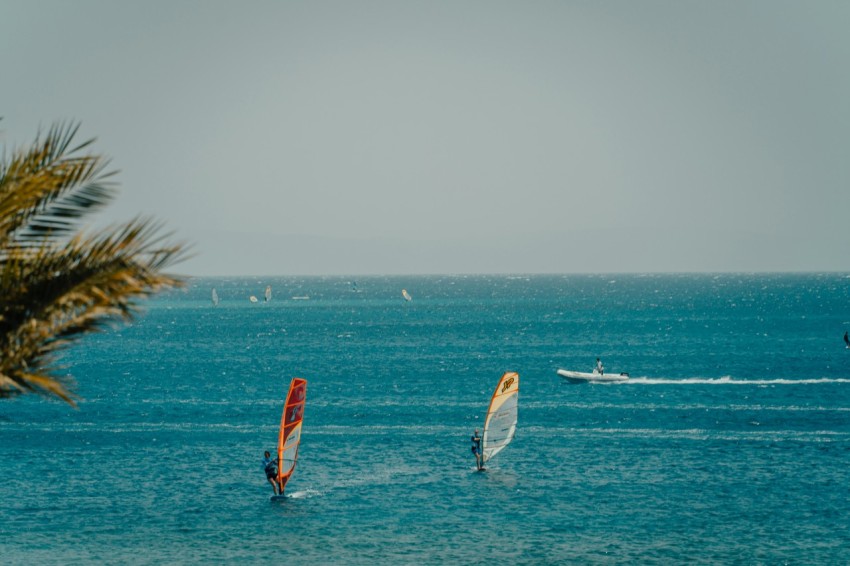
[730, 444]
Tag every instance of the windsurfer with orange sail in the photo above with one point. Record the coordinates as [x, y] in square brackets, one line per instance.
[289, 436]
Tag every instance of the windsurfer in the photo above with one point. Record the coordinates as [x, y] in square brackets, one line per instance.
[476, 448]
[846, 340]
[270, 467]
[599, 367]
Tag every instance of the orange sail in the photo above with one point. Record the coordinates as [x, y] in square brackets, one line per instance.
[290, 430]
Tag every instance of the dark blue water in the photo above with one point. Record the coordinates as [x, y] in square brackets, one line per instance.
[730, 443]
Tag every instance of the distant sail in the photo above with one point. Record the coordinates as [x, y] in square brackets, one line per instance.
[289, 436]
[406, 295]
[501, 420]
[268, 293]
[214, 298]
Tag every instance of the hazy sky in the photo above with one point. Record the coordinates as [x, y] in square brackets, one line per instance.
[352, 137]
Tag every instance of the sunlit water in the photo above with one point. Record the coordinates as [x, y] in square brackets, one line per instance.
[730, 443]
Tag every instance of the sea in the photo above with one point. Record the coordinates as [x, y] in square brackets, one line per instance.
[729, 444]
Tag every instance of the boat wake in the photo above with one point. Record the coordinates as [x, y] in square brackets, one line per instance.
[728, 380]
[305, 494]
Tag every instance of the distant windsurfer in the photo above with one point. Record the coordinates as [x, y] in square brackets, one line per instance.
[846, 340]
[599, 367]
[476, 449]
[270, 467]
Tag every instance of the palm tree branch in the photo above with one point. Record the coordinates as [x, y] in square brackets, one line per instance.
[44, 190]
[74, 290]
[25, 382]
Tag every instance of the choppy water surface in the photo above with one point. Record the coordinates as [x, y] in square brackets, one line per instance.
[730, 444]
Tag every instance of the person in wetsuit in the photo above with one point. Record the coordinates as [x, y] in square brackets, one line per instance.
[270, 468]
[476, 449]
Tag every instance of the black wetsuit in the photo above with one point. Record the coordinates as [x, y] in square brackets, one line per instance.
[271, 469]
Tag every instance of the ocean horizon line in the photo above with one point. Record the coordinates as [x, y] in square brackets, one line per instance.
[526, 274]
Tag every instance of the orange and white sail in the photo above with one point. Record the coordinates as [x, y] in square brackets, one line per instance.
[290, 430]
[500, 423]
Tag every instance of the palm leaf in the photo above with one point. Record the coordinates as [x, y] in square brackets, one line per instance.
[45, 189]
[56, 287]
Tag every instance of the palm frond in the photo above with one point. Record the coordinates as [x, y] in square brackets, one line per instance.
[54, 291]
[45, 189]
[56, 386]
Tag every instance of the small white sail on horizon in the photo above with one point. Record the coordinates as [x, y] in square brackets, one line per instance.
[406, 295]
[214, 297]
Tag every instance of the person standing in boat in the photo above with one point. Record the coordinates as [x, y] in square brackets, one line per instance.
[476, 448]
[599, 367]
[270, 468]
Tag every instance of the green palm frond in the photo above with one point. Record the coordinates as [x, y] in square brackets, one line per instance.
[46, 188]
[56, 287]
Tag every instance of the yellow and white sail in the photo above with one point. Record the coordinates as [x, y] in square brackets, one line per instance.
[500, 423]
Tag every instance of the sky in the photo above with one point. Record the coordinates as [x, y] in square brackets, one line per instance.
[453, 137]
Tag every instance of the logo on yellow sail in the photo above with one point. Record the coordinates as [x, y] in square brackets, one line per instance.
[507, 384]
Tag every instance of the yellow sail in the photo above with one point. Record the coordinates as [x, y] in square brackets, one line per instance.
[501, 420]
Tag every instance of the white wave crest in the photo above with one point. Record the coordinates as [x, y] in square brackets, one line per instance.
[304, 494]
